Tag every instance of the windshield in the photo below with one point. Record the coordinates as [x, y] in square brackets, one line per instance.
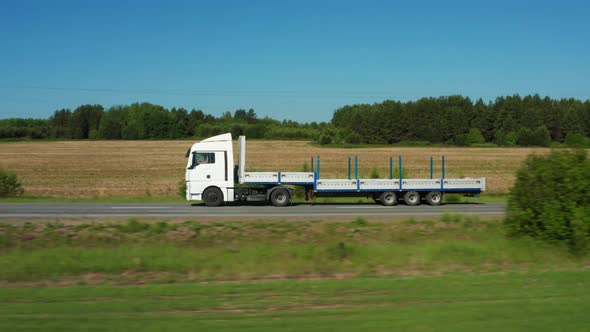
[200, 158]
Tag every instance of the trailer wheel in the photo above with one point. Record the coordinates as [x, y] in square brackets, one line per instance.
[412, 198]
[280, 197]
[213, 196]
[434, 198]
[388, 198]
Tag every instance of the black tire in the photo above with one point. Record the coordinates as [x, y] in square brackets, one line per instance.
[280, 197]
[412, 198]
[213, 196]
[388, 198]
[434, 198]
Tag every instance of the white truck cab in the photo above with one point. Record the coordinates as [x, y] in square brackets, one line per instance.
[210, 166]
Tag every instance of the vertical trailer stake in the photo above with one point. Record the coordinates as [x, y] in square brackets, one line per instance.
[349, 168]
[400, 168]
[318, 166]
[390, 167]
[443, 166]
[356, 167]
[312, 164]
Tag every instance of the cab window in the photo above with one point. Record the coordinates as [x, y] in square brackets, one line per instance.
[200, 158]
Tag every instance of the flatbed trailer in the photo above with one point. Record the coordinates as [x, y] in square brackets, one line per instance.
[212, 178]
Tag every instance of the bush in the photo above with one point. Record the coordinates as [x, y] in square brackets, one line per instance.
[182, 188]
[352, 137]
[535, 137]
[511, 139]
[325, 139]
[9, 184]
[256, 131]
[474, 137]
[93, 134]
[577, 141]
[506, 139]
[550, 199]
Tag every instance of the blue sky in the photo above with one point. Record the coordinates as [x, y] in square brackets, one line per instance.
[297, 60]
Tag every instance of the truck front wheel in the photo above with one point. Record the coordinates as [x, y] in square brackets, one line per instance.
[213, 196]
[280, 197]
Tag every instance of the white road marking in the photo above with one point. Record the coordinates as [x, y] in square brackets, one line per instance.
[362, 207]
[140, 207]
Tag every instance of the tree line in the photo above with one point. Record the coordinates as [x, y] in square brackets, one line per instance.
[149, 121]
[455, 120]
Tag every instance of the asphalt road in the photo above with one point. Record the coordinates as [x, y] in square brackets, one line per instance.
[12, 210]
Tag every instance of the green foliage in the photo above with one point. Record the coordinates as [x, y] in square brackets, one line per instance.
[84, 119]
[26, 128]
[575, 140]
[539, 136]
[256, 131]
[448, 217]
[305, 167]
[507, 121]
[133, 226]
[160, 227]
[374, 174]
[325, 139]
[528, 120]
[550, 199]
[511, 139]
[93, 134]
[182, 188]
[474, 137]
[112, 123]
[352, 137]
[451, 217]
[360, 221]
[506, 139]
[340, 251]
[452, 198]
[9, 184]
[405, 172]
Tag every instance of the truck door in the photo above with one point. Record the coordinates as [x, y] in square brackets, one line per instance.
[207, 168]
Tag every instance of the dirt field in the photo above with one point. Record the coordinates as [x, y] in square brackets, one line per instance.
[154, 168]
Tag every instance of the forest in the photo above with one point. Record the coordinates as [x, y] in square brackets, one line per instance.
[451, 120]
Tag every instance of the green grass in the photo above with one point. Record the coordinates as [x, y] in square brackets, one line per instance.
[456, 274]
[483, 198]
[550, 301]
[250, 250]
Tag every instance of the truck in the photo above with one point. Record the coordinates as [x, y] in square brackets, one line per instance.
[212, 177]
